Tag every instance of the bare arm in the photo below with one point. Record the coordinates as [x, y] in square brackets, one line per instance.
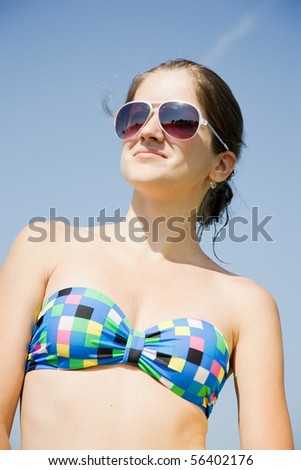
[258, 368]
[22, 284]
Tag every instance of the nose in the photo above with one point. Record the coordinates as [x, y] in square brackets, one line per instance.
[152, 129]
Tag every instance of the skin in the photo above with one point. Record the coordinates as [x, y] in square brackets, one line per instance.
[119, 407]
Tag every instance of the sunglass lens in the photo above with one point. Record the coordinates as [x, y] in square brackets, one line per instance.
[179, 120]
[130, 119]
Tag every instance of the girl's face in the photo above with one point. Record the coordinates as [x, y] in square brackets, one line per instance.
[153, 159]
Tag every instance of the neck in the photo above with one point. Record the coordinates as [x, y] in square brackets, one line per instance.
[164, 227]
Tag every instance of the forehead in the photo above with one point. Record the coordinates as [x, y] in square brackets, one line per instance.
[165, 85]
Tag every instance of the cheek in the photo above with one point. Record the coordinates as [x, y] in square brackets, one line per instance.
[200, 153]
[125, 160]
[195, 156]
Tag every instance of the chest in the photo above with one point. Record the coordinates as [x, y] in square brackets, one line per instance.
[81, 328]
[148, 292]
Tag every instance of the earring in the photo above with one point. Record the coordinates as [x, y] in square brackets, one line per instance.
[213, 185]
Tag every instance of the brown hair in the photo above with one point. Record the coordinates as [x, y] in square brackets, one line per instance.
[224, 114]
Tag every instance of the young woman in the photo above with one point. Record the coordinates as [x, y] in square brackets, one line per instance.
[107, 339]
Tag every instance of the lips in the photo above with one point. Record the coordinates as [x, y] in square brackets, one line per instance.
[149, 153]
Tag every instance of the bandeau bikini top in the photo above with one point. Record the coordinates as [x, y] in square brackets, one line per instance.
[80, 327]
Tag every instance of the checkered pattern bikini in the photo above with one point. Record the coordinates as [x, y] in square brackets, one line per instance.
[80, 327]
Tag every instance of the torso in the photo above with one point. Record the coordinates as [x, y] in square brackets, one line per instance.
[121, 407]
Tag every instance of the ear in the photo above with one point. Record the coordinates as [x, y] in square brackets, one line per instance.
[225, 165]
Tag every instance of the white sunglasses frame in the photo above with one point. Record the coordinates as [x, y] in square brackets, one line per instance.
[202, 121]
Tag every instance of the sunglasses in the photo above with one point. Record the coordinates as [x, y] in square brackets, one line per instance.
[178, 119]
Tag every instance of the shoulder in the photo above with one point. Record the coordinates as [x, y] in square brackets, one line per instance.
[256, 316]
[253, 301]
[38, 249]
[40, 235]
[50, 242]
[53, 242]
[57, 232]
[243, 293]
[37, 245]
[250, 306]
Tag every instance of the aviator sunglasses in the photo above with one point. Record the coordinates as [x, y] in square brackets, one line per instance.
[178, 119]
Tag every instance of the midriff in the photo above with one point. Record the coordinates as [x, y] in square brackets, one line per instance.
[109, 407]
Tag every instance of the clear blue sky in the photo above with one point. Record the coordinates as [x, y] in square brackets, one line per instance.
[59, 58]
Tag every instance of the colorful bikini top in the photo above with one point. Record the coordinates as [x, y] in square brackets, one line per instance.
[80, 327]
